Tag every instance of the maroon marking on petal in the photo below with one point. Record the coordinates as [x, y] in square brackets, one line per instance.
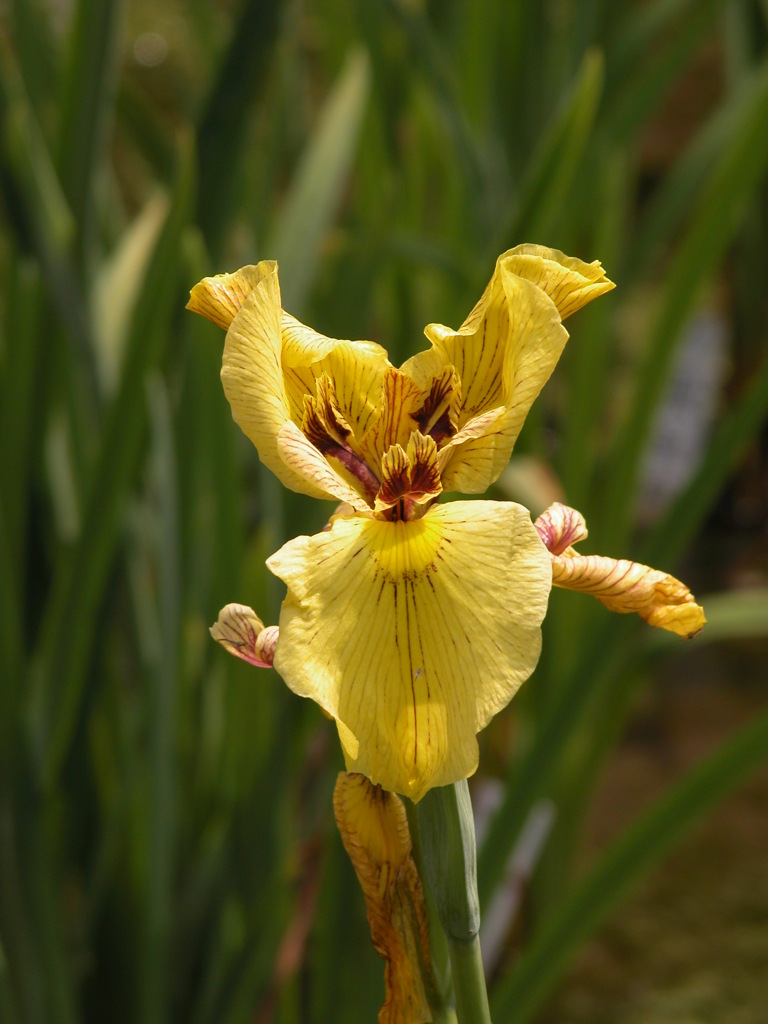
[425, 477]
[437, 414]
[359, 470]
[395, 485]
[325, 427]
[560, 527]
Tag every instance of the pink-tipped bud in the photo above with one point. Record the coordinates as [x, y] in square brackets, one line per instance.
[240, 631]
[620, 585]
[560, 527]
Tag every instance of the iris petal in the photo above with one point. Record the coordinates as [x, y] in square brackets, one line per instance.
[253, 379]
[412, 635]
[356, 368]
[302, 458]
[528, 342]
[568, 281]
[504, 353]
[219, 298]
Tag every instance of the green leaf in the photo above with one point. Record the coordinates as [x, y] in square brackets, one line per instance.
[552, 168]
[313, 197]
[87, 106]
[518, 997]
[117, 286]
[680, 187]
[721, 204]
[70, 620]
[149, 130]
[35, 47]
[161, 613]
[600, 664]
[731, 438]
[221, 134]
[646, 25]
[30, 161]
[19, 935]
[655, 47]
[11, 636]
[19, 427]
[46, 214]
[587, 361]
[430, 62]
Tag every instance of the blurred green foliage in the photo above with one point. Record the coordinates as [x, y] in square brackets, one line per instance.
[166, 845]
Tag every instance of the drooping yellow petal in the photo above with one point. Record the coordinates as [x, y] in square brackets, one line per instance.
[219, 298]
[412, 635]
[625, 586]
[374, 830]
[240, 631]
[621, 585]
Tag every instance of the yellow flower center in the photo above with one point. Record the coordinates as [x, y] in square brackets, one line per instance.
[394, 465]
[406, 551]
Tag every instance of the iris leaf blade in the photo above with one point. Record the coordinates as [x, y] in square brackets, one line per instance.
[69, 625]
[721, 204]
[163, 680]
[518, 997]
[730, 440]
[239, 82]
[87, 105]
[635, 87]
[553, 167]
[313, 197]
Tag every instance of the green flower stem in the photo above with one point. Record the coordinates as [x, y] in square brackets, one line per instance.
[438, 981]
[469, 981]
[447, 845]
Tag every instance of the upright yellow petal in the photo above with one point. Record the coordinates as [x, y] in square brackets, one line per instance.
[412, 635]
[477, 349]
[253, 382]
[504, 353]
[374, 830]
[272, 362]
[568, 281]
[219, 298]
[394, 420]
[621, 585]
[356, 368]
[530, 341]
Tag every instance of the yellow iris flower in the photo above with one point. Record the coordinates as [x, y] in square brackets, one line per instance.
[410, 623]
